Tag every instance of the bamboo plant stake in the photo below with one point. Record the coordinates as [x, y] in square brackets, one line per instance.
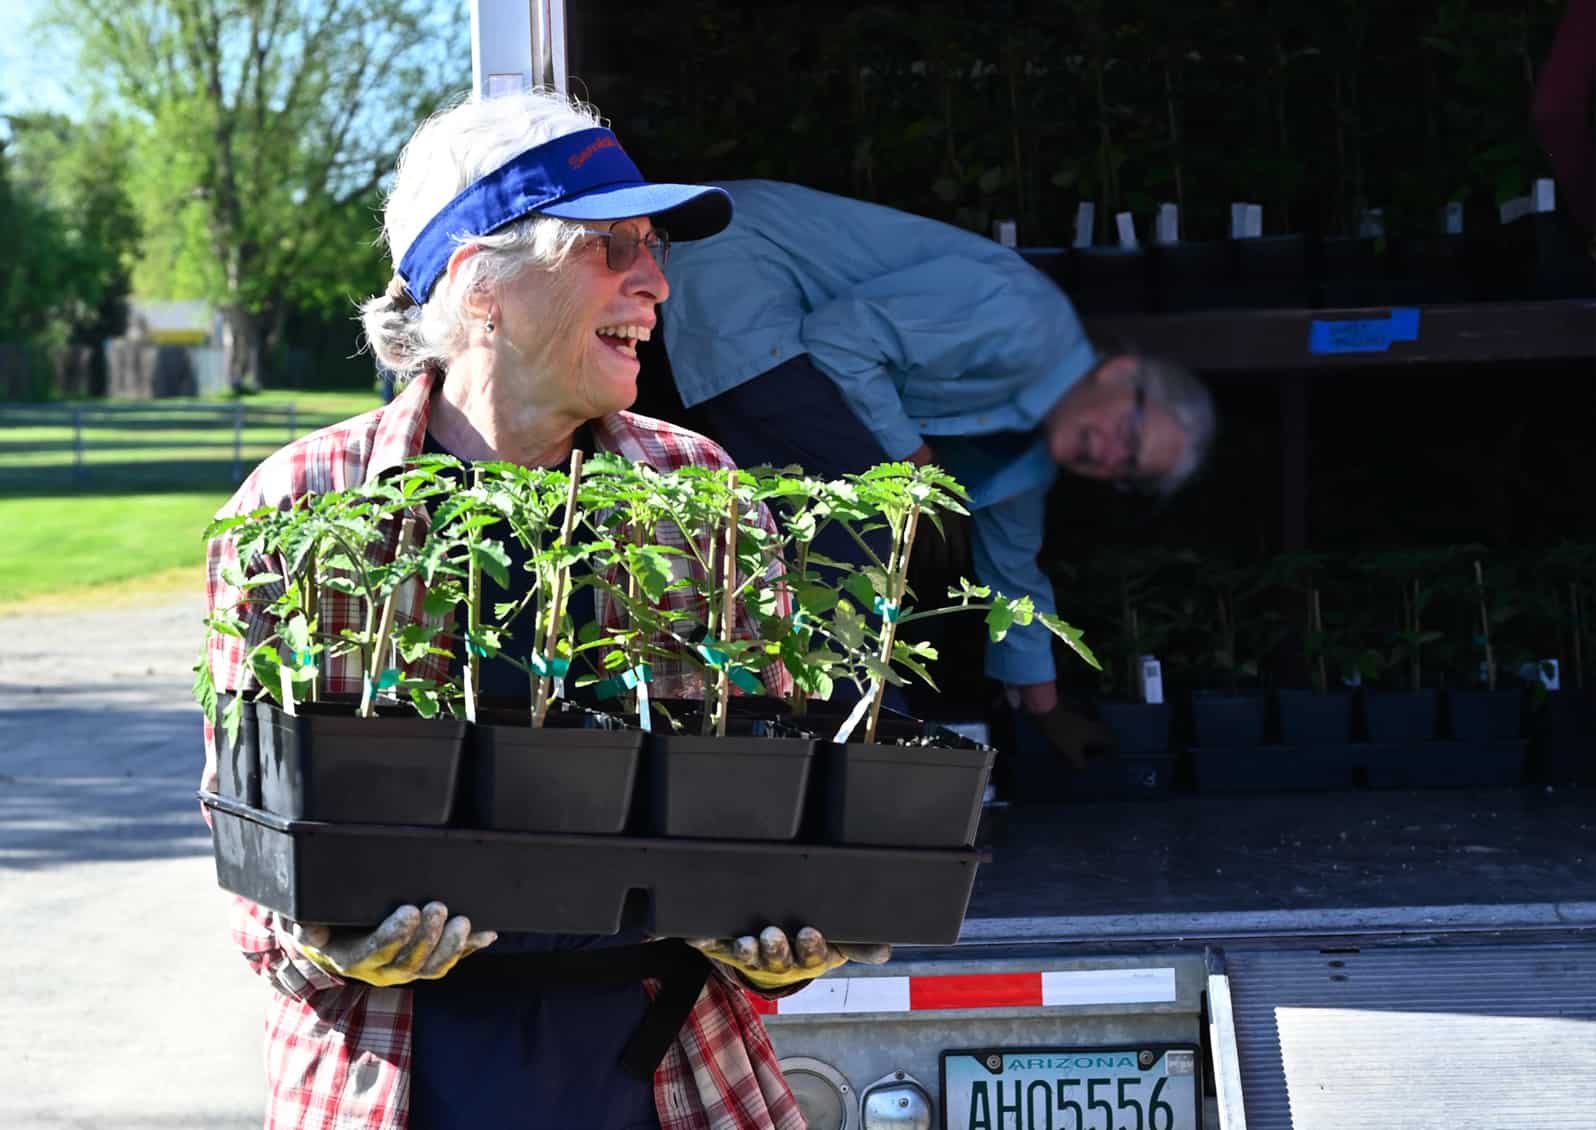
[898, 580]
[384, 626]
[540, 707]
[312, 612]
[473, 666]
[728, 603]
[1485, 628]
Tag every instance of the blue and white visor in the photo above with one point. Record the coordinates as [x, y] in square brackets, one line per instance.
[582, 176]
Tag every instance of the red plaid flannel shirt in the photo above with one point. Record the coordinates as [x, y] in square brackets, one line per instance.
[338, 1053]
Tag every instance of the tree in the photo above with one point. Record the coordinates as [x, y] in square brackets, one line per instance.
[79, 172]
[269, 123]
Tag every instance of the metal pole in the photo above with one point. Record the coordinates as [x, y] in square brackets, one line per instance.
[77, 443]
[517, 44]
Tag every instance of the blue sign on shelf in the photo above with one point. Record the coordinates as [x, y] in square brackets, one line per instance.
[1364, 335]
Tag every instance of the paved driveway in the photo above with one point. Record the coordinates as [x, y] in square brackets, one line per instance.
[122, 1001]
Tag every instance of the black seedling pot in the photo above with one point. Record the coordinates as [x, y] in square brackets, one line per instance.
[1138, 727]
[1193, 276]
[1109, 280]
[1234, 720]
[1272, 271]
[1352, 272]
[325, 763]
[1308, 718]
[893, 795]
[749, 785]
[1400, 717]
[575, 773]
[1485, 716]
[238, 762]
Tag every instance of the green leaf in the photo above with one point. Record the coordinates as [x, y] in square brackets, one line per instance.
[652, 568]
[494, 560]
[999, 618]
[1071, 636]
[861, 588]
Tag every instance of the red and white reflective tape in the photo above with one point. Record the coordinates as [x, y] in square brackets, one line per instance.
[975, 990]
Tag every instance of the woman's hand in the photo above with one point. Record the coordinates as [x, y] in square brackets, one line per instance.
[410, 945]
[772, 961]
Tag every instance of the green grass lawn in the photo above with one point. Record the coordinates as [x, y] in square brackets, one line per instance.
[60, 543]
[135, 511]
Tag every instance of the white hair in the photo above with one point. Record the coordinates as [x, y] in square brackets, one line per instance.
[1192, 405]
[453, 148]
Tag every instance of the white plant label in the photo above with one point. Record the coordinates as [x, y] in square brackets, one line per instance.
[1126, 223]
[1085, 220]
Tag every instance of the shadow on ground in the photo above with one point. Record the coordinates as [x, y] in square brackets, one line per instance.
[93, 784]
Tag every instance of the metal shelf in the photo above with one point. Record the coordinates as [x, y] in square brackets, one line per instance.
[1295, 340]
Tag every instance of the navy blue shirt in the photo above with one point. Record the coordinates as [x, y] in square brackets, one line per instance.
[528, 1059]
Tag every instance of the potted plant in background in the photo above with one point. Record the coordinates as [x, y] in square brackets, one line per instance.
[1320, 715]
[1492, 712]
[1561, 720]
[1406, 716]
[1233, 716]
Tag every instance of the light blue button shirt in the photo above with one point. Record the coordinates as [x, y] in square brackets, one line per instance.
[928, 331]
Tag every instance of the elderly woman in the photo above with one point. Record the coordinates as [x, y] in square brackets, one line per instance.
[529, 253]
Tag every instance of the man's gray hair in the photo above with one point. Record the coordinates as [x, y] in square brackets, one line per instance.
[1188, 399]
[453, 148]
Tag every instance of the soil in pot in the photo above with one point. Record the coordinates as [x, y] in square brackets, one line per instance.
[574, 774]
[1232, 719]
[1485, 715]
[1309, 718]
[325, 763]
[1400, 717]
[749, 785]
[238, 761]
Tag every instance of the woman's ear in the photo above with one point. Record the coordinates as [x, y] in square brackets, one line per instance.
[1116, 371]
[477, 302]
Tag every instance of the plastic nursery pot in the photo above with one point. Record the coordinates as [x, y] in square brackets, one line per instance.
[1272, 271]
[749, 785]
[1484, 716]
[1230, 719]
[1308, 718]
[1054, 262]
[1432, 269]
[1400, 717]
[238, 762]
[325, 763]
[1564, 734]
[1110, 280]
[1138, 727]
[905, 795]
[1352, 273]
[1192, 276]
[576, 773]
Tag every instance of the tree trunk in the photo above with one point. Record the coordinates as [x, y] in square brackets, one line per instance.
[242, 347]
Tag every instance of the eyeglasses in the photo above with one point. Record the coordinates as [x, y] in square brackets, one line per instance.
[624, 244]
[1131, 435]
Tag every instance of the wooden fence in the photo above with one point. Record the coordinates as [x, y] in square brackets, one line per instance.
[130, 445]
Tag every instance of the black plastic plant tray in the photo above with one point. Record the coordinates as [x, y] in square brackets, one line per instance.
[355, 874]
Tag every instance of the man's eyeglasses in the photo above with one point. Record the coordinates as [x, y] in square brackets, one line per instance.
[1131, 435]
[624, 243]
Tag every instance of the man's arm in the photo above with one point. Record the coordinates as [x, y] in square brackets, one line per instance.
[1007, 538]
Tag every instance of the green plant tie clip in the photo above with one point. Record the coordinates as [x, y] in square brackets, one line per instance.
[477, 649]
[888, 609]
[801, 619]
[555, 668]
[386, 680]
[303, 658]
[742, 676]
[617, 685]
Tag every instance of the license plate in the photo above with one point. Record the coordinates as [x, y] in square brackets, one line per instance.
[1118, 1088]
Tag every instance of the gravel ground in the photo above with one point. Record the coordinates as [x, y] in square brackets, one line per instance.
[124, 1003]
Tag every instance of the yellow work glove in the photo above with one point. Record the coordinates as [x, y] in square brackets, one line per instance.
[410, 945]
[771, 961]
